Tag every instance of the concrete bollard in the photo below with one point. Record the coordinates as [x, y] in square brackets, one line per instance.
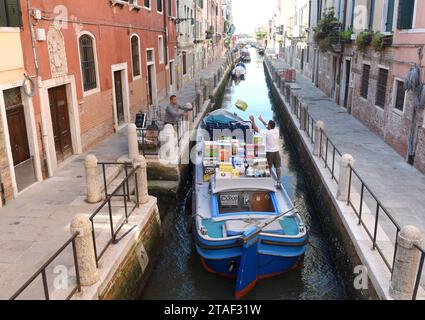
[169, 146]
[406, 263]
[318, 142]
[210, 87]
[84, 248]
[94, 194]
[303, 117]
[347, 160]
[142, 179]
[133, 144]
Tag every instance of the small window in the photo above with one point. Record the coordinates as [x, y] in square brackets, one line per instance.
[365, 81]
[399, 95]
[149, 56]
[406, 9]
[381, 90]
[170, 8]
[161, 50]
[184, 63]
[147, 3]
[88, 63]
[10, 13]
[159, 5]
[135, 54]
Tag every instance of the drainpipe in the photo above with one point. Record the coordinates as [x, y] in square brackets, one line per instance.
[44, 140]
[165, 42]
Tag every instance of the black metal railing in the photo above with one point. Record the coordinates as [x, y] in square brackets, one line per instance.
[124, 191]
[42, 271]
[420, 271]
[380, 210]
[328, 154]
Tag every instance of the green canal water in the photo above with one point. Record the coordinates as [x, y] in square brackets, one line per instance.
[178, 273]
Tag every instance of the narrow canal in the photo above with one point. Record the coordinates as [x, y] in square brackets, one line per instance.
[178, 273]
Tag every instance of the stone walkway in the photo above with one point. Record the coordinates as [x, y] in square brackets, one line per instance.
[399, 186]
[35, 225]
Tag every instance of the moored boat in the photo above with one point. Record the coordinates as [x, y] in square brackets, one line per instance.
[244, 227]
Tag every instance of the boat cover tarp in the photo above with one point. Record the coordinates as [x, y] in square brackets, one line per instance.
[223, 117]
[238, 227]
[260, 184]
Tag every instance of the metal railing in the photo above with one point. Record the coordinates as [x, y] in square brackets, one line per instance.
[324, 154]
[42, 271]
[328, 154]
[123, 191]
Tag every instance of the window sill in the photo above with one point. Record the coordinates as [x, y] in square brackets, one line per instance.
[398, 112]
[91, 92]
[135, 78]
[10, 30]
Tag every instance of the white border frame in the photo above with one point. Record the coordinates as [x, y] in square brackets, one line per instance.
[150, 5]
[157, 11]
[123, 68]
[96, 62]
[140, 57]
[155, 85]
[46, 119]
[32, 136]
[394, 97]
[161, 40]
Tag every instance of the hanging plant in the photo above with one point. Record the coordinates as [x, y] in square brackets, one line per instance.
[378, 43]
[325, 44]
[346, 35]
[363, 40]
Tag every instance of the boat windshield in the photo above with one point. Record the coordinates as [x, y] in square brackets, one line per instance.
[247, 202]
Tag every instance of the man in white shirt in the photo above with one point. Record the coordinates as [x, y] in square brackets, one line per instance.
[272, 137]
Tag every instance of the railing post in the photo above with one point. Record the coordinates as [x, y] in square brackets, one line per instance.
[347, 160]
[303, 116]
[406, 263]
[210, 87]
[169, 152]
[85, 250]
[319, 128]
[94, 194]
[133, 144]
[142, 179]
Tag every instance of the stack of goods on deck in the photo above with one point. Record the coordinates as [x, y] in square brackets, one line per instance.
[230, 158]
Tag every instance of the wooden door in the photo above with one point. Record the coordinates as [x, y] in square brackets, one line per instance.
[18, 133]
[150, 85]
[119, 101]
[60, 122]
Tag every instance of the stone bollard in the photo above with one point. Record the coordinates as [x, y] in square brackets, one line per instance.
[347, 160]
[318, 142]
[94, 194]
[303, 117]
[406, 263]
[169, 152]
[133, 144]
[84, 248]
[210, 87]
[142, 179]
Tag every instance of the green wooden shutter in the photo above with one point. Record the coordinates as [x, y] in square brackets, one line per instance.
[3, 15]
[405, 14]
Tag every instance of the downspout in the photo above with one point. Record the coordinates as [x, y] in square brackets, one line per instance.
[165, 41]
[44, 137]
[194, 40]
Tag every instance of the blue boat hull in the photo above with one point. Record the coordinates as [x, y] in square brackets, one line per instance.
[264, 257]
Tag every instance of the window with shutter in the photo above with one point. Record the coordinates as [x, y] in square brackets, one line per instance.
[88, 63]
[10, 13]
[365, 81]
[405, 14]
[381, 90]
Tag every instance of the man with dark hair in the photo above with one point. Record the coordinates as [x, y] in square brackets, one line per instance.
[174, 111]
[272, 138]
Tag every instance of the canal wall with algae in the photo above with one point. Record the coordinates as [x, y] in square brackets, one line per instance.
[346, 252]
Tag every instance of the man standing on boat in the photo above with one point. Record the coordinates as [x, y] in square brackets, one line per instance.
[174, 111]
[272, 137]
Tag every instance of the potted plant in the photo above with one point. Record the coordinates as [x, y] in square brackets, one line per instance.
[346, 35]
[378, 41]
[363, 40]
